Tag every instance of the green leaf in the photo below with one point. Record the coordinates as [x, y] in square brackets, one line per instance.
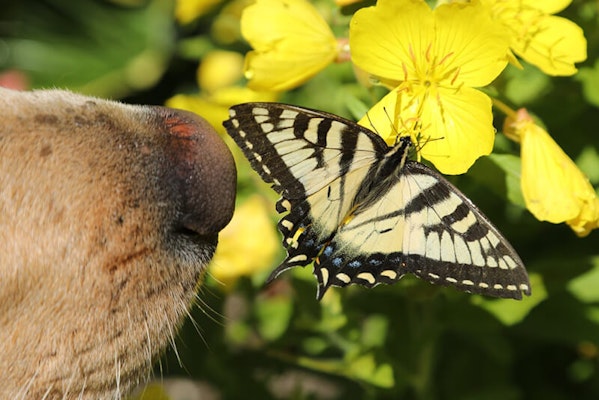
[374, 331]
[525, 85]
[357, 108]
[273, 314]
[363, 368]
[510, 164]
[585, 287]
[90, 46]
[333, 318]
[366, 369]
[589, 78]
[314, 345]
[510, 311]
[152, 392]
[588, 162]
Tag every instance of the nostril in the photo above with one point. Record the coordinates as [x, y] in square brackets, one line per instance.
[203, 169]
[194, 236]
[182, 230]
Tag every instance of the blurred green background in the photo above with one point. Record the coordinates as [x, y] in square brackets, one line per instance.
[411, 340]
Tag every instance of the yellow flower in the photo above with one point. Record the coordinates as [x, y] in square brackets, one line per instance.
[554, 188]
[247, 245]
[551, 43]
[214, 107]
[291, 42]
[433, 59]
[217, 75]
[188, 10]
[219, 69]
[343, 3]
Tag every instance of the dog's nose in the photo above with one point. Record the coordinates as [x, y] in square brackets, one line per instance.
[205, 169]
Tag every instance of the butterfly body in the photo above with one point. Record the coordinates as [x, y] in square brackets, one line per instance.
[363, 213]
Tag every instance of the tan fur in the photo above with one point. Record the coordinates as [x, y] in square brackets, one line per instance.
[108, 216]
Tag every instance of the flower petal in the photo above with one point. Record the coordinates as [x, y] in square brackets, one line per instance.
[452, 129]
[587, 220]
[554, 189]
[472, 43]
[219, 69]
[384, 38]
[551, 43]
[547, 6]
[457, 129]
[380, 118]
[241, 252]
[554, 45]
[215, 107]
[188, 10]
[406, 40]
[291, 42]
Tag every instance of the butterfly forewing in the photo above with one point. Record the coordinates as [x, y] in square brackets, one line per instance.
[361, 223]
[300, 151]
[315, 161]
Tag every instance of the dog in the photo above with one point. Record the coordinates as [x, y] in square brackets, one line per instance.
[109, 214]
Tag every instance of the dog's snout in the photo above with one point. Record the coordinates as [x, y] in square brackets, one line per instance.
[205, 170]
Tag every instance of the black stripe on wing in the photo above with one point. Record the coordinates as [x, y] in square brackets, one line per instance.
[299, 150]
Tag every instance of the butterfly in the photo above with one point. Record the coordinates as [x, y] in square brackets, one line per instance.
[363, 213]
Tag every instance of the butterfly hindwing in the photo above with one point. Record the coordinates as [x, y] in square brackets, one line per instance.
[425, 226]
[362, 213]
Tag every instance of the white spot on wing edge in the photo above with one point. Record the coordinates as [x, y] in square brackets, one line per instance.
[324, 273]
[292, 243]
[298, 258]
[366, 276]
[389, 273]
[285, 204]
[343, 277]
[287, 224]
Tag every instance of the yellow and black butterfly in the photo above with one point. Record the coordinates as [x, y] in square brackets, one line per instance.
[363, 213]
